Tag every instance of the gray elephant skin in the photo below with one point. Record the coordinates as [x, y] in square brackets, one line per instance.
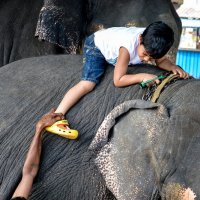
[63, 25]
[30, 87]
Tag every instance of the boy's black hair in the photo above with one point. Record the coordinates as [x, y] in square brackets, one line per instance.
[157, 39]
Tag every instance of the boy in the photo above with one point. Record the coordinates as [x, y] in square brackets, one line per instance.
[120, 46]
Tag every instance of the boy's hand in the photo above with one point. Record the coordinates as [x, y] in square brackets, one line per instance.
[146, 77]
[166, 64]
[48, 119]
[177, 70]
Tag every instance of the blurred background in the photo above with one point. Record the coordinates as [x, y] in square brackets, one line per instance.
[188, 55]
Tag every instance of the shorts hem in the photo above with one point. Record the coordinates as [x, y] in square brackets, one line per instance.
[89, 79]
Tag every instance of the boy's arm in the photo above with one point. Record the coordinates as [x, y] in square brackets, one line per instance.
[31, 165]
[122, 79]
[166, 64]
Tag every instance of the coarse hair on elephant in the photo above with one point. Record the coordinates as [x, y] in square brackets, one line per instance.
[160, 141]
[35, 28]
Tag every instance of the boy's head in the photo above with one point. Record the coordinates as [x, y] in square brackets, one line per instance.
[156, 40]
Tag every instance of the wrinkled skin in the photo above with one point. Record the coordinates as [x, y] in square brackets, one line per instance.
[18, 21]
[63, 25]
[140, 143]
[30, 87]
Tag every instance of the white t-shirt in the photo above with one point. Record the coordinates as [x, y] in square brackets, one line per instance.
[109, 41]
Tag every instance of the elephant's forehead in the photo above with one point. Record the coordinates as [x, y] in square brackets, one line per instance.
[128, 161]
[145, 145]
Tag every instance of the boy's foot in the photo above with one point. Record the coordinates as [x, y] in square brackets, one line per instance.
[62, 128]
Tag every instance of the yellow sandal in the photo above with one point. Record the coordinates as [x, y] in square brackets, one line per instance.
[59, 128]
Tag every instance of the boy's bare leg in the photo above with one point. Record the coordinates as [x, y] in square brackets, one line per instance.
[74, 94]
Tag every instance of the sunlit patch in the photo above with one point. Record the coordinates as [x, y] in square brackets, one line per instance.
[131, 23]
[175, 191]
[189, 194]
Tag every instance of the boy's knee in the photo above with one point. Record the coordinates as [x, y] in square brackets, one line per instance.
[87, 86]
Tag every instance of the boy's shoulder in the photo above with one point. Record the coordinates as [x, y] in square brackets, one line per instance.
[121, 30]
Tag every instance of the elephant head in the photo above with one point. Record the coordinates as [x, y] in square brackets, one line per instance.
[168, 149]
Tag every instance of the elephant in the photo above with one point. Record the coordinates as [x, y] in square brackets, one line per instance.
[38, 28]
[33, 81]
[72, 169]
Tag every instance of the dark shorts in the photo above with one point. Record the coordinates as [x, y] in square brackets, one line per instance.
[93, 61]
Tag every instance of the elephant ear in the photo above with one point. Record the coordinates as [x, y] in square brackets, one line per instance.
[60, 24]
[128, 148]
